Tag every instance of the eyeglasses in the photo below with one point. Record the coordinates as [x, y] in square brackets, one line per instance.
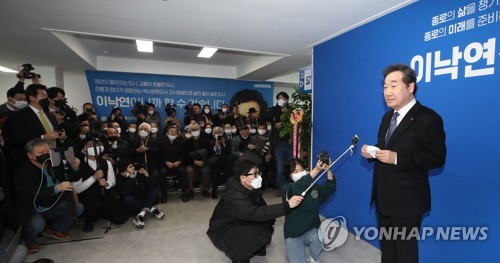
[256, 174]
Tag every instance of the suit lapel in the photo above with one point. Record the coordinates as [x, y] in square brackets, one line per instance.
[34, 118]
[406, 122]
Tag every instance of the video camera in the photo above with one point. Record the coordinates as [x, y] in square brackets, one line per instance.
[139, 108]
[25, 72]
[170, 109]
[266, 149]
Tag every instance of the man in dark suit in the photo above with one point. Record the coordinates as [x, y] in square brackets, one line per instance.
[411, 140]
[34, 121]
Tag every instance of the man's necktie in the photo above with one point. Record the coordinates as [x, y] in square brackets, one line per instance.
[392, 127]
[46, 127]
[45, 122]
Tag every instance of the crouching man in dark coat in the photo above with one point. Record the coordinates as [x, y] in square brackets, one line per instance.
[242, 223]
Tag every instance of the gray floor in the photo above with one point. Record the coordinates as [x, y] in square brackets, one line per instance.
[180, 237]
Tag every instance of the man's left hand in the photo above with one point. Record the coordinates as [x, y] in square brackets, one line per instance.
[386, 156]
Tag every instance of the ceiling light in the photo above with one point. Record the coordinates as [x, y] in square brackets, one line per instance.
[8, 70]
[144, 46]
[207, 52]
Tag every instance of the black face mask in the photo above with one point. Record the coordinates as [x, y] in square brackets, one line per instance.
[113, 138]
[60, 103]
[44, 103]
[42, 158]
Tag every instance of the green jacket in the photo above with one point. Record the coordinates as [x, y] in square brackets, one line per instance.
[306, 216]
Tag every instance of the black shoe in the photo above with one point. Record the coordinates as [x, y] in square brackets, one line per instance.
[261, 252]
[191, 194]
[164, 197]
[205, 193]
[185, 197]
[88, 228]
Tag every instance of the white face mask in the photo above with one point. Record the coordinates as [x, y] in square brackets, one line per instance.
[281, 102]
[154, 130]
[207, 111]
[119, 130]
[234, 130]
[143, 134]
[269, 127]
[297, 176]
[224, 110]
[172, 137]
[188, 135]
[151, 112]
[195, 134]
[20, 104]
[208, 131]
[228, 131]
[257, 182]
[91, 152]
[253, 131]
[82, 136]
[262, 132]
[132, 130]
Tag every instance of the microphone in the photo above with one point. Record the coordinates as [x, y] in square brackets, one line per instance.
[354, 142]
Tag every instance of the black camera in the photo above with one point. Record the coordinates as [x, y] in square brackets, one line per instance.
[266, 149]
[188, 110]
[324, 157]
[139, 109]
[138, 166]
[60, 111]
[26, 72]
[170, 109]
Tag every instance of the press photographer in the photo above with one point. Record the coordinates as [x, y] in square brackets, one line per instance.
[38, 183]
[138, 194]
[192, 113]
[65, 115]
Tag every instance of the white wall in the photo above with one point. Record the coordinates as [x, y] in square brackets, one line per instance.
[9, 80]
[76, 88]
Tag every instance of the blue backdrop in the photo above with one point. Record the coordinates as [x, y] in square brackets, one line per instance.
[119, 89]
[453, 47]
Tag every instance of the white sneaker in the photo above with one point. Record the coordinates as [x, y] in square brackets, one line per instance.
[139, 221]
[157, 213]
[311, 260]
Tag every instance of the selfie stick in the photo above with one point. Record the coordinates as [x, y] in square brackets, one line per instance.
[354, 141]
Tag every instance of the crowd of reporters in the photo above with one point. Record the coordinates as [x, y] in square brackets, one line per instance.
[122, 168]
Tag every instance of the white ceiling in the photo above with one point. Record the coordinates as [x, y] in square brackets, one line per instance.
[261, 39]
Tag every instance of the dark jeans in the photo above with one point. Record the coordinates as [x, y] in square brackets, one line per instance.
[282, 153]
[58, 218]
[133, 204]
[213, 167]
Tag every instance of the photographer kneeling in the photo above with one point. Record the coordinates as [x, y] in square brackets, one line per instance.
[137, 193]
[242, 223]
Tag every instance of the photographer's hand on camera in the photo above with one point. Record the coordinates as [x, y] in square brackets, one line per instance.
[65, 186]
[103, 182]
[98, 175]
[144, 172]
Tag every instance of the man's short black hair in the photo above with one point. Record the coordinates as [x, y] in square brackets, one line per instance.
[243, 167]
[284, 94]
[11, 93]
[32, 90]
[409, 75]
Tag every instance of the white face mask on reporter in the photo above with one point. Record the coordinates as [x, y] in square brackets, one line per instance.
[281, 102]
[20, 104]
[257, 182]
[297, 176]
[262, 132]
[91, 150]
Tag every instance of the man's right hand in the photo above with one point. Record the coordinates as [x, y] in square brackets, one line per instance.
[65, 186]
[51, 135]
[295, 201]
[98, 175]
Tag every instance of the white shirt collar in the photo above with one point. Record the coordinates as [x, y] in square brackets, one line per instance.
[403, 111]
